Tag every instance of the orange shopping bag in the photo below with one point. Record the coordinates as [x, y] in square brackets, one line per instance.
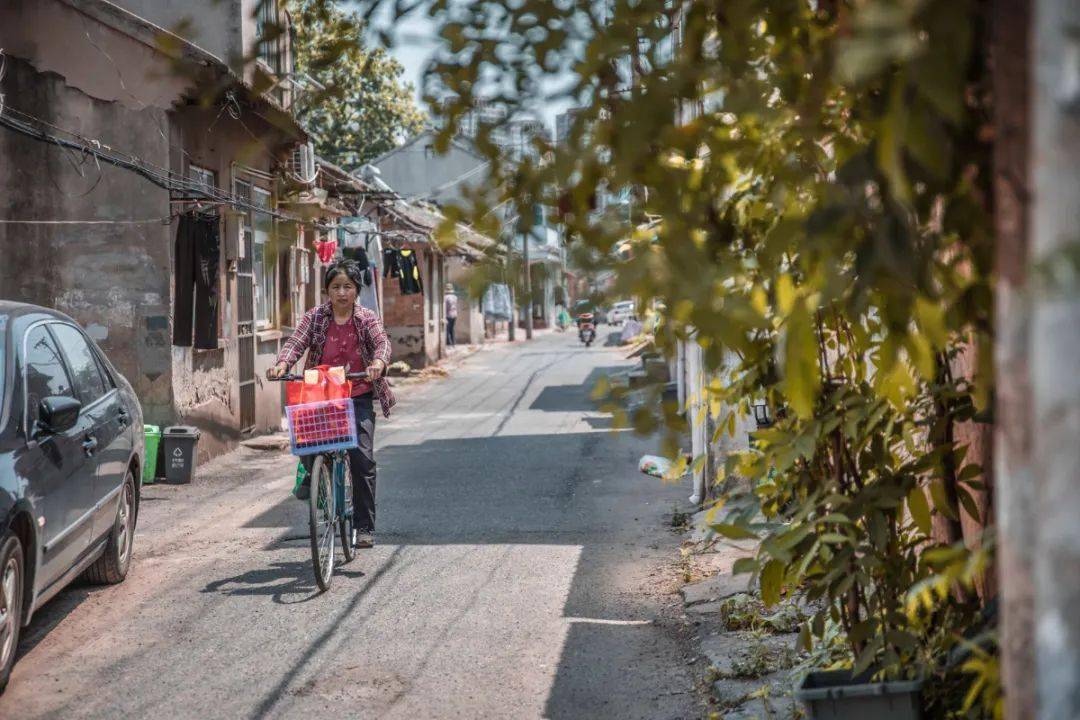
[326, 388]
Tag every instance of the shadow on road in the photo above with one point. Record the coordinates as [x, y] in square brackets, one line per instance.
[601, 423]
[573, 489]
[279, 581]
[53, 613]
[573, 398]
[271, 699]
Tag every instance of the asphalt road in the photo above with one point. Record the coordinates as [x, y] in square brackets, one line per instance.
[523, 569]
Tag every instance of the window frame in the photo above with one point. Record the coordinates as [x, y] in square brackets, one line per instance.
[204, 177]
[68, 361]
[269, 52]
[28, 425]
[263, 271]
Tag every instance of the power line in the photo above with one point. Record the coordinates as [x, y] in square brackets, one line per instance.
[161, 220]
[156, 174]
[163, 178]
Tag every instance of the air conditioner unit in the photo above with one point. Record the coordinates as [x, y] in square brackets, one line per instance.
[302, 163]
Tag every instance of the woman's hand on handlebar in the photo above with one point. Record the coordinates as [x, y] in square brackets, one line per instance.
[277, 371]
[376, 369]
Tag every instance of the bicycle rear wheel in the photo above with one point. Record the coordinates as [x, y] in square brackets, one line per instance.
[323, 522]
[348, 551]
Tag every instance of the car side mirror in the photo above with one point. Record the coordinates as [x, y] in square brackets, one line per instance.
[58, 413]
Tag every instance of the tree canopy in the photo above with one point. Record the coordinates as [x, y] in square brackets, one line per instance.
[365, 109]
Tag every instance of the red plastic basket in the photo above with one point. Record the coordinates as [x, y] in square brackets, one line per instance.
[322, 426]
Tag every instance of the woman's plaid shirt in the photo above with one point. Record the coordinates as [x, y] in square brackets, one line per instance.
[310, 337]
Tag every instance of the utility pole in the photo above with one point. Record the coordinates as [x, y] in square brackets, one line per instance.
[528, 290]
[511, 332]
[1053, 328]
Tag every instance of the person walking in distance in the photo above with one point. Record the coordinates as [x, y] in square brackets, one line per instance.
[450, 304]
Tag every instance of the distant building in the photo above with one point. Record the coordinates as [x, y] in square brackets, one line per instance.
[563, 123]
[513, 135]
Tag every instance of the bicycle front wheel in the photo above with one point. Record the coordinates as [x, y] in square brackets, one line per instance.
[345, 512]
[323, 521]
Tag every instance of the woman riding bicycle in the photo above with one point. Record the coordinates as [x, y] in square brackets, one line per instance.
[341, 332]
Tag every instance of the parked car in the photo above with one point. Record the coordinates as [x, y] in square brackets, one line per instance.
[71, 453]
[621, 312]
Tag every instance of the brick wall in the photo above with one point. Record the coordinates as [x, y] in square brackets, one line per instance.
[403, 315]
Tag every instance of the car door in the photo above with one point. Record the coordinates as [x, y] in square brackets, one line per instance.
[61, 466]
[107, 417]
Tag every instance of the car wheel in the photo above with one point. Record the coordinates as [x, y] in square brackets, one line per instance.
[112, 566]
[12, 577]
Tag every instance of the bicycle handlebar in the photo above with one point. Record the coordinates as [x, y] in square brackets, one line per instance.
[348, 376]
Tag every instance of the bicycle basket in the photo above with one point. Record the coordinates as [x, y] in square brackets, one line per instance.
[322, 426]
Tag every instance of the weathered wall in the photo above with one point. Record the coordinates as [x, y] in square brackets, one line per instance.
[94, 69]
[215, 26]
[112, 278]
[408, 319]
[206, 382]
[102, 62]
[435, 322]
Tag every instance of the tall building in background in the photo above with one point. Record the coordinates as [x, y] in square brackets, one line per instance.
[514, 136]
[563, 123]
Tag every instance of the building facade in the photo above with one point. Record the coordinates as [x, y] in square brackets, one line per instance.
[133, 161]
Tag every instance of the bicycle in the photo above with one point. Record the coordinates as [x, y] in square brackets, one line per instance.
[326, 429]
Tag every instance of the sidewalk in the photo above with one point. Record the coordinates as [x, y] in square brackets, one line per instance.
[747, 652]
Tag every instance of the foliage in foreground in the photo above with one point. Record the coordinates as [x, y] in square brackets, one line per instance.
[809, 186]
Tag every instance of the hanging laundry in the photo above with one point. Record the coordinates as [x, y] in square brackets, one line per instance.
[198, 257]
[391, 263]
[496, 302]
[369, 291]
[326, 249]
[360, 257]
[411, 284]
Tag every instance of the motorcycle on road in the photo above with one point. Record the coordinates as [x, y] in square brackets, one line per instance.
[586, 328]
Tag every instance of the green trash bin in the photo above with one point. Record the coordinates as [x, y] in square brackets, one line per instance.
[150, 461]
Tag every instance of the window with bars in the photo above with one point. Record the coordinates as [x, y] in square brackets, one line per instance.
[263, 259]
[205, 180]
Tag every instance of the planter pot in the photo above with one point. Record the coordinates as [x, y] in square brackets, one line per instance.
[836, 695]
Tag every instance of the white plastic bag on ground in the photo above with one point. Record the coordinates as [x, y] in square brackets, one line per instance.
[654, 465]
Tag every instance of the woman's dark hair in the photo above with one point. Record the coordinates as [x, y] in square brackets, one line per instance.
[349, 268]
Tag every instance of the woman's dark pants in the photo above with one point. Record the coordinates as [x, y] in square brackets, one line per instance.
[361, 465]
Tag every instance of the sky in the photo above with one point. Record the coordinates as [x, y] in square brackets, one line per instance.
[415, 41]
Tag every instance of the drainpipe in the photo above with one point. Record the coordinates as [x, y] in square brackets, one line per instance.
[697, 433]
[680, 374]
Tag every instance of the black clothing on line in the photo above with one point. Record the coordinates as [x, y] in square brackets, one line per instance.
[403, 265]
[198, 256]
[360, 256]
[391, 263]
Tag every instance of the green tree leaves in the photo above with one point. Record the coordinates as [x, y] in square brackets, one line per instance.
[364, 109]
[808, 189]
